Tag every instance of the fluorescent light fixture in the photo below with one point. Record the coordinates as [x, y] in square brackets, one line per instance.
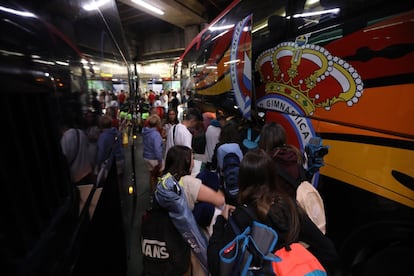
[311, 2]
[94, 5]
[258, 28]
[10, 53]
[110, 65]
[219, 35]
[246, 28]
[308, 14]
[43, 61]
[16, 12]
[220, 28]
[231, 61]
[62, 63]
[148, 6]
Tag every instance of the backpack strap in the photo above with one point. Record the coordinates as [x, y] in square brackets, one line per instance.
[234, 226]
[257, 139]
[233, 220]
[249, 136]
[174, 134]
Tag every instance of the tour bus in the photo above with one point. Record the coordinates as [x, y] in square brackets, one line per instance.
[339, 76]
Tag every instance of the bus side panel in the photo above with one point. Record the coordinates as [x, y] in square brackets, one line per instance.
[313, 92]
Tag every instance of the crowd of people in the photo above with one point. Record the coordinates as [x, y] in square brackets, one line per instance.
[268, 163]
[106, 124]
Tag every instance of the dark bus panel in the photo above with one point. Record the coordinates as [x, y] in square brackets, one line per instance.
[46, 54]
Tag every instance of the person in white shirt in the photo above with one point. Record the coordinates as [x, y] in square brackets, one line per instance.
[180, 134]
[164, 101]
[213, 133]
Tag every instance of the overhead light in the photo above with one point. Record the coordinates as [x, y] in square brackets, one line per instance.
[308, 14]
[258, 28]
[221, 28]
[17, 12]
[148, 6]
[231, 61]
[94, 5]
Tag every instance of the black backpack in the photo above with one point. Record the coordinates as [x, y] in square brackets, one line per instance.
[230, 176]
[164, 251]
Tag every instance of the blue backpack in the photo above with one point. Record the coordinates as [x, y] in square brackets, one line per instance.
[230, 176]
[250, 252]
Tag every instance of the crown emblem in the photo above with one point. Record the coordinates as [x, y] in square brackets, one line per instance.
[309, 75]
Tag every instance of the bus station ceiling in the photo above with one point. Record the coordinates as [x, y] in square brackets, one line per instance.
[180, 13]
[134, 28]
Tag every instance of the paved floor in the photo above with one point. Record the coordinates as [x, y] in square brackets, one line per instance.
[134, 206]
